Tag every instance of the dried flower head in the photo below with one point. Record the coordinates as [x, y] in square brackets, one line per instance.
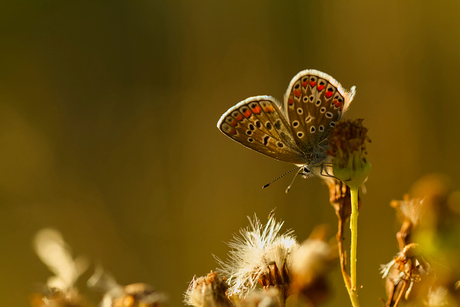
[347, 144]
[207, 291]
[408, 267]
[408, 262]
[261, 255]
[53, 297]
[132, 295]
[135, 295]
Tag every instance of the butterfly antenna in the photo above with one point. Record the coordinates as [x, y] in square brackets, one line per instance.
[265, 186]
[289, 187]
[324, 140]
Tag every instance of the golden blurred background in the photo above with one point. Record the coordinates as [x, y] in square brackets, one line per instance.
[108, 115]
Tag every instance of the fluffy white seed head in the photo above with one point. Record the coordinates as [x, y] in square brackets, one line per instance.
[257, 251]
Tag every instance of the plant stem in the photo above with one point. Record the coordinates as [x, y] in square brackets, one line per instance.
[354, 244]
[354, 298]
[346, 278]
[340, 198]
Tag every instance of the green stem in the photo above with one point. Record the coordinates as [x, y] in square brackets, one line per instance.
[354, 298]
[354, 244]
[354, 236]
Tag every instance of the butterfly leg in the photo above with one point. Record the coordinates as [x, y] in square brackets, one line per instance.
[324, 170]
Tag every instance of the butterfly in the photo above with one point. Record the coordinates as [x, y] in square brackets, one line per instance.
[296, 131]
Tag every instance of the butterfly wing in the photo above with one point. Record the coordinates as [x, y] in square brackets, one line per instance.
[260, 124]
[314, 102]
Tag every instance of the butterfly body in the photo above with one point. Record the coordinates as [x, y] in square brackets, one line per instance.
[295, 131]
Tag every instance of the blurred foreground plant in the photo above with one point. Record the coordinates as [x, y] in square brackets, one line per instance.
[426, 271]
[266, 267]
[60, 290]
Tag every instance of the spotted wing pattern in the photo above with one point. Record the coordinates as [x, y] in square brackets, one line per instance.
[259, 123]
[314, 102]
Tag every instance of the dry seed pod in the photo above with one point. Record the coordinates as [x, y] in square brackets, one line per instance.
[408, 272]
[132, 295]
[207, 291]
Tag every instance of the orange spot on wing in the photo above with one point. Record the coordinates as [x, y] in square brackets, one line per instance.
[297, 93]
[290, 101]
[329, 94]
[320, 87]
[312, 83]
[304, 84]
[337, 103]
[247, 113]
[256, 109]
[269, 109]
[233, 123]
[232, 131]
[239, 117]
